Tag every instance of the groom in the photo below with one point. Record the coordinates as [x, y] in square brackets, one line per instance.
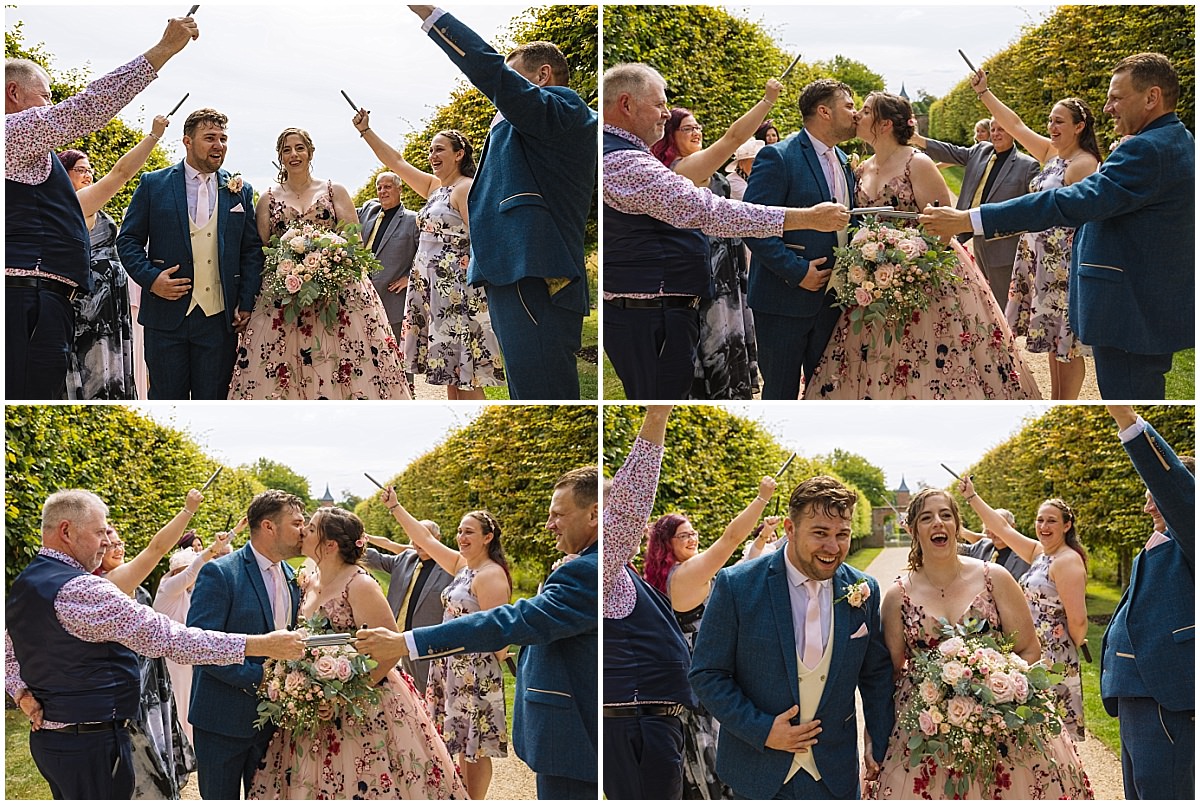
[250, 591]
[786, 641]
[792, 313]
[190, 240]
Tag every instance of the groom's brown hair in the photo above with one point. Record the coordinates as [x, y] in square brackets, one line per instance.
[822, 493]
[204, 115]
[821, 91]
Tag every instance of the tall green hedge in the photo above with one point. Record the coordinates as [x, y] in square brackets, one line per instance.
[141, 469]
[1072, 53]
[712, 465]
[506, 461]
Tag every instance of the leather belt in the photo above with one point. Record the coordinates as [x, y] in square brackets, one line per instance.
[103, 726]
[657, 303]
[637, 710]
[44, 284]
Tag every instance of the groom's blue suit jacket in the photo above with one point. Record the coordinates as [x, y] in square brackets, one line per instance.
[555, 708]
[155, 236]
[1149, 646]
[744, 671]
[1133, 265]
[230, 597]
[789, 174]
[537, 174]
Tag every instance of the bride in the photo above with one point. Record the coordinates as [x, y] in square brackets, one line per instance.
[961, 348]
[395, 753]
[356, 358]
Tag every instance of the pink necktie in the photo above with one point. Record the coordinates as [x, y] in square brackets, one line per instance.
[283, 601]
[202, 201]
[812, 626]
[838, 188]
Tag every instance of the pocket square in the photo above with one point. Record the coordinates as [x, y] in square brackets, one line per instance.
[862, 632]
[238, 208]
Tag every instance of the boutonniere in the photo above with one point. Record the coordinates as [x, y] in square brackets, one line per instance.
[234, 183]
[854, 161]
[855, 594]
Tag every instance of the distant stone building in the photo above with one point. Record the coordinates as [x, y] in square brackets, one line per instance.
[887, 521]
[326, 500]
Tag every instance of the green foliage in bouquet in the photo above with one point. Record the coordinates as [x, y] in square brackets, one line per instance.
[309, 267]
[974, 701]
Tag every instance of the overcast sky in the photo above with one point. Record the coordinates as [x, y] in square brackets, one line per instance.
[904, 439]
[272, 65]
[327, 444]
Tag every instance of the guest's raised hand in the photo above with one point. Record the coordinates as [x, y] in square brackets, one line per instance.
[770, 523]
[772, 90]
[241, 525]
[979, 82]
[166, 286]
[388, 497]
[787, 737]
[966, 488]
[362, 120]
[194, 499]
[159, 126]
[766, 487]
[816, 278]
[220, 545]
[280, 645]
[180, 31]
[422, 11]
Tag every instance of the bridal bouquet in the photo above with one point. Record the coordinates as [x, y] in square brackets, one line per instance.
[293, 690]
[310, 265]
[974, 701]
[885, 274]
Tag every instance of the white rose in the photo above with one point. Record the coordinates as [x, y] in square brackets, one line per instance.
[952, 672]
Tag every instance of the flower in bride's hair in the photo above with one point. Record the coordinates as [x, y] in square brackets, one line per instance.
[361, 542]
[912, 121]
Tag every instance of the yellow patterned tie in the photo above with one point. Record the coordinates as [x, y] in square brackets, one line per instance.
[375, 229]
[983, 182]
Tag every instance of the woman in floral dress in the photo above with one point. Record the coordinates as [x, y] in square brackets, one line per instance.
[961, 347]
[940, 584]
[1037, 298]
[465, 692]
[1055, 586]
[393, 752]
[356, 358]
[447, 329]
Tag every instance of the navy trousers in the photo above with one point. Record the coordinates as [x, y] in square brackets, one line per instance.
[94, 765]
[192, 361]
[224, 764]
[789, 347]
[538, 338]
[1158, 750]
[643, 758]
[550, 786]
[1125, 375]
[801, 786]
[39, 329]
[653, 351]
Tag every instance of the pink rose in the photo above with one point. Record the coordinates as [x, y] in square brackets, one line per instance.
[1002, 687]
[857, 274]
[325, 667]
[286, 266]
[930, 692]
[870, 250]
[1020, 686]
[953, 647]
[862, 296]
[343, 670]
[312, 259]
[294, 682]
[911, 248]
[860, 236]
[952, 671]
[292, 283]
[884, 274]
[273, 690]
[297, 243]
[926, 723]
[958, 710]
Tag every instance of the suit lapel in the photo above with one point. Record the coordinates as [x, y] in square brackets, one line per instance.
[781, 610]
[254, 576]
[178, 184]
[843, 620]
[814, 164]
[224, 199]
[289, 576]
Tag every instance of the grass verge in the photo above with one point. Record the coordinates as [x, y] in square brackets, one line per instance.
[863, 557]
[1102, 599]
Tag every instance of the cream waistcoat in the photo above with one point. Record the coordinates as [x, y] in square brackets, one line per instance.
[811, 685]
[206, 284]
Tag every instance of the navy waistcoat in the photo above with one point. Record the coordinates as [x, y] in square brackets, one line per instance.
[44, 227]
[645, 655]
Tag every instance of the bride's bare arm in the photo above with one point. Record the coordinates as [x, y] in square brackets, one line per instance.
[262, 217]
[893, 626]
[928, 185]
[371, 610]
[343, 205]
[422, 183]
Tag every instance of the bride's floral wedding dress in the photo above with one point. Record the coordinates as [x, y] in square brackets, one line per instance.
[356, 359]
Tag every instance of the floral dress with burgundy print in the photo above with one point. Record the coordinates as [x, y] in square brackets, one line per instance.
[1037, 297]
[392, 753]
[1020, 773]
[1050, 623]
[356, 359]
[465, 692]
[959, 349]
[447, 328]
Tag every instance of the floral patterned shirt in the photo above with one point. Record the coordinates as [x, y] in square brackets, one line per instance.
[32, 135]
[627, 507]
[95, 610]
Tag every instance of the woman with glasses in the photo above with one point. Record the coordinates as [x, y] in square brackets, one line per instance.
[676, 567]
[101, 363]
[727, 355]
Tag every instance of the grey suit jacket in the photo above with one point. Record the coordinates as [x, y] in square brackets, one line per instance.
[429, 610]
[397, 245]
[994, 256]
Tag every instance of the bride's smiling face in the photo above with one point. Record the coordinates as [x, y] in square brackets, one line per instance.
[311, 537]
[866, 122]
[936, 526]
[443, 159]
[294, 154]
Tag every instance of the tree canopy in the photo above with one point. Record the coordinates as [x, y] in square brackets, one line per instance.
[274, 475]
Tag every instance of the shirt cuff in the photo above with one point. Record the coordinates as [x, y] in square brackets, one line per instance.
[976, 221]
[432, 19]
[1133, 431]
[411, 642]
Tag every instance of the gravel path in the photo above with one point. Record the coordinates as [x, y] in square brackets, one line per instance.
[1102, 766]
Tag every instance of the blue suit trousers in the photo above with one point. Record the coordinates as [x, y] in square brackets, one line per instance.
[94, 765]
[194, 361]
[1123, 375]
[538, 339]
[225, 764]
[1158, 750]
[39, 329]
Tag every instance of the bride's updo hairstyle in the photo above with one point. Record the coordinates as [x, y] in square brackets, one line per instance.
[458, 141]
[345, 529]
[896, 109]
[490, 525]
[915, 507]
[283, 135]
